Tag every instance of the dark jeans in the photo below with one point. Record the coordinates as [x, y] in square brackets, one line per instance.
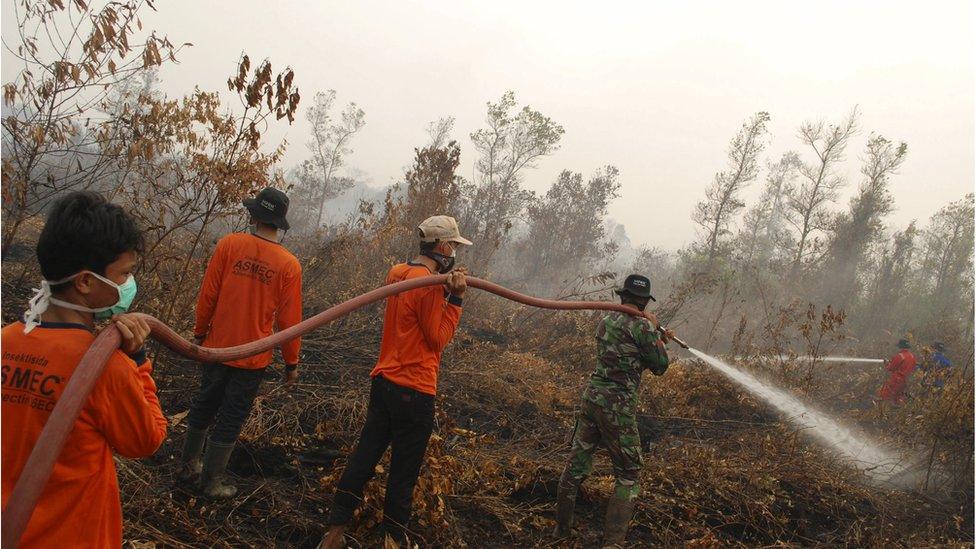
[397, 415]
[226, 395]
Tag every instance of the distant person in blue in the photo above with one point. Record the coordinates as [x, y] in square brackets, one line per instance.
[937, 367]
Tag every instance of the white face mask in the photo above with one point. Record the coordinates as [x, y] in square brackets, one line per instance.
[43, 299]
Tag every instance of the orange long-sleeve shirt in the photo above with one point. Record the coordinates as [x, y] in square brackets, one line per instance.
[903, 363]
[417, 325]
[80, 506]
[251, 285]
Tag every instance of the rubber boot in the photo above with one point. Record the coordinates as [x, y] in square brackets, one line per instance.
[214, 463]
[394, 536]
[565, 505]
[190, 464]
[334, 538]
[619, 512]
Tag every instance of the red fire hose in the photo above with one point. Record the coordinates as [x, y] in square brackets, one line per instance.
[41, 461]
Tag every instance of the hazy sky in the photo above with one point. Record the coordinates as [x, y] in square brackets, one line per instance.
[655, 89]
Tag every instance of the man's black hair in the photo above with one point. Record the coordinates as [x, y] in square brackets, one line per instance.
[262, 223]
[639, 302]
[83, 231]
[428, 246]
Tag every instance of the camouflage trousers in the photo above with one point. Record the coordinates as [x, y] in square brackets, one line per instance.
[615, 428]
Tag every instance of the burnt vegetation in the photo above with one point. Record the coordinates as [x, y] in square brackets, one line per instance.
[794, 274]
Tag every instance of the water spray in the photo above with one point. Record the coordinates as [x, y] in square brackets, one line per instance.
[877, 464]
[842, 359]
[833, 359]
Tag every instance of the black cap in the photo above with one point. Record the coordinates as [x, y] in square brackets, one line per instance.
[904, 344]
[939, 346]
[270, 206]
[636, 285]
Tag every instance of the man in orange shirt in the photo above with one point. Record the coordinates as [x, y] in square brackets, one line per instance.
[252, 285]
[417, 325]
[86, 251]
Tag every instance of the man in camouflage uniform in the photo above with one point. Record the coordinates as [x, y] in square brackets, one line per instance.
[626, 345]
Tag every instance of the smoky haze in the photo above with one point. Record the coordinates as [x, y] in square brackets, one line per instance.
[655, 90]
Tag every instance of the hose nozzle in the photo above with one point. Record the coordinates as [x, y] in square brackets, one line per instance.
[680, 343]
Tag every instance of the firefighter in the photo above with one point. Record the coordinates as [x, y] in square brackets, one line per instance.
[252, 285]
[626, 346]
[899, 368]
[87, 252]
[936, 367]
[417, 326]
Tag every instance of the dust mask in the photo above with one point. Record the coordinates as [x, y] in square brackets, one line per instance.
[43, 298]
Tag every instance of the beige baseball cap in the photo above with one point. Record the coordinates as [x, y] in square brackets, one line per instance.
[441, 227]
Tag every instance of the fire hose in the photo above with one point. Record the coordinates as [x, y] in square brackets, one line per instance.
[42, 458]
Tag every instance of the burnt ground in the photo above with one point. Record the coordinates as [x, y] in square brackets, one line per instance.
[719, 468]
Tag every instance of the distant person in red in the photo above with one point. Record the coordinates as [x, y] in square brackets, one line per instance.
[899, 367]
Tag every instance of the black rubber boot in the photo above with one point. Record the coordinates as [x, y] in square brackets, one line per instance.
[190, 463]
[565, 505]
[619, 512]
[214, 464]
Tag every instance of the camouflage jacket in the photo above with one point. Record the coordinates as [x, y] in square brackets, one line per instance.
[626, 344]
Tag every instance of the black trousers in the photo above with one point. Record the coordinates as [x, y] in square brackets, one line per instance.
[225, 400]
[397, 416]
